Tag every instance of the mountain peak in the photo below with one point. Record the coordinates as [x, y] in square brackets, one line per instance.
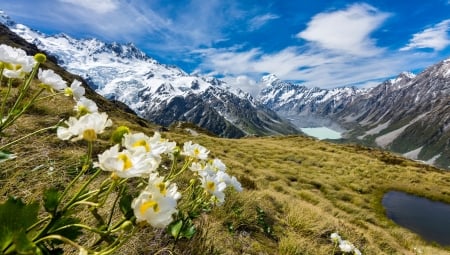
[403, 77]
[5, 19]
[269, 79]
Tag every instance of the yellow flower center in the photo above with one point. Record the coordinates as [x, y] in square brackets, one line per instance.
[89, 135]
[196, 152]
[83, 110]
[162, 188]
[13, 67]
[142, 143]
[149, 204]
[127, 164]
[210, 186]
[68, 92]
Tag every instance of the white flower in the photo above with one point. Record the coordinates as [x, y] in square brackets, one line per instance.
[16, 61]
[194, 151]
[86, 127]
[202, 169]
[336, 238]
[126, 164]
[229, 181]
[215, 187]
[356, 251]
[157, 184]
[85, 106]
[235, 184]
[154, 145]
[218, 165]
[154, 207]
[346, 246]
[51, 81]
[75, 90]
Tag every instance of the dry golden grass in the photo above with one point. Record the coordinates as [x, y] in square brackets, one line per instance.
[297, 190]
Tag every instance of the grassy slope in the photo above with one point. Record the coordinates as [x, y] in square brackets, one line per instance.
[298, 190]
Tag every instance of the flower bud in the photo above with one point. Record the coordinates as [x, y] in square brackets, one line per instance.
[40, 58]
[118, 134]
[127, 225]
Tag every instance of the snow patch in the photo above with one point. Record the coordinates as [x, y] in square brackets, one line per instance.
[386, 139]
[375, 130]
[413, 154]
[432, 160]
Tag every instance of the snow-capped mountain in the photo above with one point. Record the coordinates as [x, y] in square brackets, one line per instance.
[409, 114]
[160, 93]
[303, 106]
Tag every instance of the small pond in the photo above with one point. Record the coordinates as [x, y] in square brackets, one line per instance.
[429, 219]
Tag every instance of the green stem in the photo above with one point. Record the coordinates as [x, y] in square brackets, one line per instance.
[118, 243]
[24, 89]
[77, 195]
[25, 137]
[94, 230]
[38, 223]
[81, 173]
[60, 238]
[114, 205]
[2, 109]
[13, 116]
[170, 177]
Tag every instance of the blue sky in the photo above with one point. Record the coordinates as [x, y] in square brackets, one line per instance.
[323, 43]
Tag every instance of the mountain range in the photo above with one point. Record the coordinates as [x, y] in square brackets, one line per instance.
[159, 93]
[409, 114]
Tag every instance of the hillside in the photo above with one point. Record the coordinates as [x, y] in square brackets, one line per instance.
[297, 190]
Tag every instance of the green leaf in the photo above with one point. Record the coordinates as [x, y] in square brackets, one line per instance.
[188, 231]
[125, 205]
[175, 228]
[23, 245]
[6, 155]
[51, 200]
[15, 218]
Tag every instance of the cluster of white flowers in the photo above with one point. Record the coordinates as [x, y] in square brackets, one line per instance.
[139, 155]
[212, 175]
[344, 245]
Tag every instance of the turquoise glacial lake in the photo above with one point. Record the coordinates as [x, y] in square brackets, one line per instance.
[322, 133]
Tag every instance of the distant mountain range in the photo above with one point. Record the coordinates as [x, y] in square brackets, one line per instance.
[160, 93]
[409, 114]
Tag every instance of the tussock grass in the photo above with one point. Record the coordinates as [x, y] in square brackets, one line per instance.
[297, 190]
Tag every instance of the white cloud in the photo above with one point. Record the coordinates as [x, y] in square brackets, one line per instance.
[257, 22]
[435, 37]
[99, 6]
[244, 83]
[346, 30]
[314, 68]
